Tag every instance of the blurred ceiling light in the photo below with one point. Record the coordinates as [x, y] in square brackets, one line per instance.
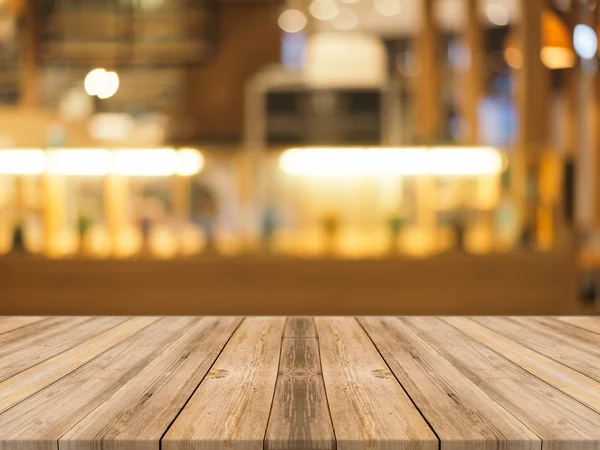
[101, 83]
[111, 85]
[346, 20]
[585, 41]
[557, 57]
[79, 161]
[22, 162]
[323, 9]
[190, 162]
[146, 162]
[445, 161]
[349, 1]
[292, 21]
[557, 46]
[388, 8]
[95, 81]
[497, 14]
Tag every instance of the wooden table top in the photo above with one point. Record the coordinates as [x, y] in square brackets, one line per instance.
[276, 383]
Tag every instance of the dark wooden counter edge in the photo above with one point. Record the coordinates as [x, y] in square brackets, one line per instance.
[512, 283]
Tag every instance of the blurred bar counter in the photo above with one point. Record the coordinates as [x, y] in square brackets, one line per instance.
[516, 283]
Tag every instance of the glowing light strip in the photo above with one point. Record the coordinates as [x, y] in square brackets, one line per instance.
[331, 161]
[146, 162]
[79, 162]
[98, 162]
[22, 162]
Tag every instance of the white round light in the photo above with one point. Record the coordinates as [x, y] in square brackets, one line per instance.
[350, 1]
[388, 8]
[323, 9]
[95, 81]
[291, 21]
[346, 20]
[497, 14]
[110, 87]
[585, 41]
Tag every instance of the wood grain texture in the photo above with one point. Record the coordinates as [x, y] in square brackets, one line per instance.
[230, 410]
[302, 383]
[12, 323]
[463, 416]
[573, 335]
[300, 415]
[21, 336]
[369, 409]
[562, 422]
[530, 334]
[140, 412]
[21, 355]
[35, 378]
[587, 323]
[300, 327]
[569, 381]
[38, 422]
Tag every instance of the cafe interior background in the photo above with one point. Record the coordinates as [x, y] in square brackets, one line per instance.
[299, 157]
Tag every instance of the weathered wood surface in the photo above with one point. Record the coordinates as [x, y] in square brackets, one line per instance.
[301, 383]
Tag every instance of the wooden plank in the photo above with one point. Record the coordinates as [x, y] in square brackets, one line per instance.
[20, 356]
[558, 375]
[230, 409]
[12, 323]
[39, 421]
[562, 422]
[574, 335]
[369, 409]
[22, 336]
[587, 323]
[35, 378]
[528, 333]
[300, 415]
[300, 327]
[139, 413]
[463, 416]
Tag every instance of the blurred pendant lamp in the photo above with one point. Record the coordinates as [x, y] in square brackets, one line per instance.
[557, 45]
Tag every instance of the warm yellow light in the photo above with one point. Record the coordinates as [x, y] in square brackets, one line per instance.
[111, 85]
[189, 162]
[146, 162]
[465, 161]
[101, 83]
[22, 162]
[79, 161]
[514, 58]
[292, 21]
[335, 162]
[557, 57]
[323, 9]
[95, 81]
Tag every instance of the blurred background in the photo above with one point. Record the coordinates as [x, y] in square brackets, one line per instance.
[299, 156]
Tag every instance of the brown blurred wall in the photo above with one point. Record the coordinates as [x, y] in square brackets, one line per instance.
[249, 40]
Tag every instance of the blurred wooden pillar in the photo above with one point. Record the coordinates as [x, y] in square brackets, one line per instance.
[532, 101]
[427, 91]
[595, 129]
[474, 78]
[28, 36]
[572, 81]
